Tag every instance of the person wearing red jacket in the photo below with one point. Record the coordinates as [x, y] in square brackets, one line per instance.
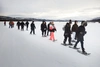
[4, 23]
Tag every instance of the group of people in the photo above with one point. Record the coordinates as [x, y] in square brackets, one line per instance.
[77, 31]
[48, 28]
[11, 24]
[22, 24]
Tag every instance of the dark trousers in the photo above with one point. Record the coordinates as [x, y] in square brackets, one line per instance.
[82, 46]
[65, 39]
[43, 32]
[11, 26]
[32, 30]
[22, 27]
[48, 32]
[75, 36]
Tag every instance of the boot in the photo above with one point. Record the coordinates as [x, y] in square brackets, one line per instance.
[70, 44]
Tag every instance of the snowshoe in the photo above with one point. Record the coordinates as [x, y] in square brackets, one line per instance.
[84, 53]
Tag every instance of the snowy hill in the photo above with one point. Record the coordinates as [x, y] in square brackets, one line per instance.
[95, 20]
[20, 49]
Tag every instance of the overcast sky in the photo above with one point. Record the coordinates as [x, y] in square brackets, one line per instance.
[51, 9]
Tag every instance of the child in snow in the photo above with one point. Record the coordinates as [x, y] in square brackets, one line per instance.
[52, 30]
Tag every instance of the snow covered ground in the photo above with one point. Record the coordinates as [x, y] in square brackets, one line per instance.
[20, 49]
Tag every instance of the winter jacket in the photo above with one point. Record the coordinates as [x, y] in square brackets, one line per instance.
[67, 30]
[74, 28]
[22, 24]
[18, 23]
[43, 27]
[11, 23]
[32, 26]
[27, 23]
[52, 28]
[80, 33]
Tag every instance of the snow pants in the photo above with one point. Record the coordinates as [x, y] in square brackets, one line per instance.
[52, 36]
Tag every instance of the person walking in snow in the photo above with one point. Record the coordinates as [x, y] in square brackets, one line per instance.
[18, 24]
[52, 29]
[11, 24]
[67, 33]
[32, 27]
[80, 36]
[4, 23]
[48, 29]
[27, 24]
[74, 30]
[43, 29]
[22, 25]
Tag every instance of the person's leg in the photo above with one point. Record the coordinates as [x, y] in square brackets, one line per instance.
[69, 39]
[27, 27]
[82, 46]
[76, 43]
[65, 39]
[23, 28]
[19, 26]
[31, 31]
[47, 32]
[51, 35]
[9, 26]
[4, 23]
[73, 36]
[42, 33]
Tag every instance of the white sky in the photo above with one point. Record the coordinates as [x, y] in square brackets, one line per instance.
[51, 9]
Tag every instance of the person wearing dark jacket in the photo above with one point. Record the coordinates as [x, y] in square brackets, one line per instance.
[18, 24]
[43, 28]
[48, 30]
[67, 34]
[80, 35]
[74, 30]
[27, 24]
[22, 25]
[32, 27]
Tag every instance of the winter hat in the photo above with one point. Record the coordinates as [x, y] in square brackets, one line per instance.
[84, 23]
